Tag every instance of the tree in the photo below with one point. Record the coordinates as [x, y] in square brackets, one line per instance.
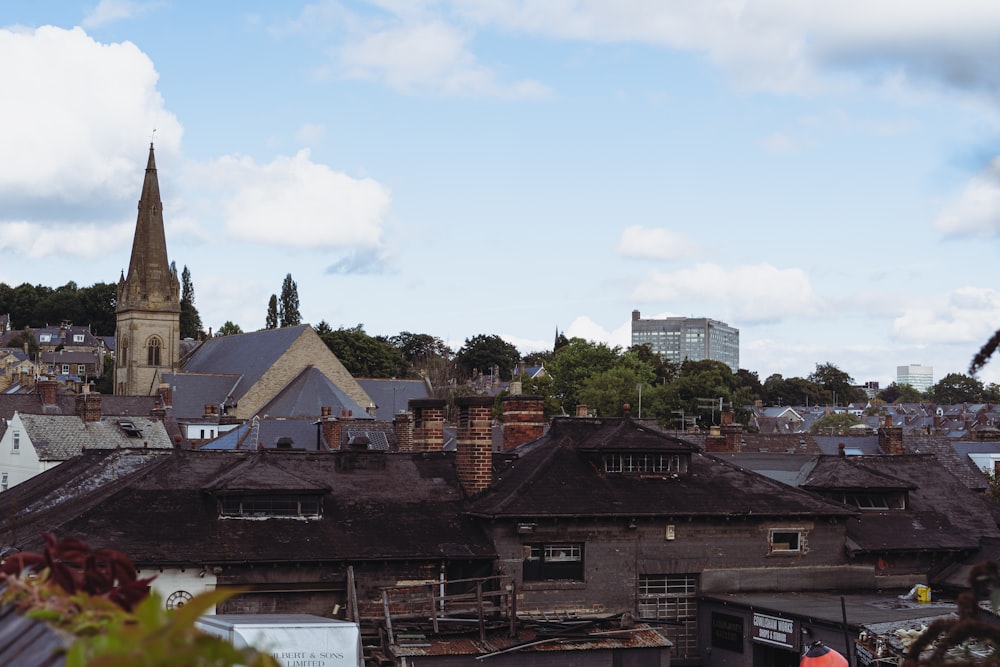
[482, 353]
[573, 363]
[229, 329]
[900, 393]
[609, 391]
[367, 356]
[956, 388]
[420, 349]
[838, 385]
[190, 319]
[288, 304]
[271, 322]
[834, 424]
[323, 328]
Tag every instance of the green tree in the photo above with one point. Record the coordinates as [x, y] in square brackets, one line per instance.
[839, 385]
[271, 321]
[323, 328]
[419, 349]
[288, 304]
[190, 319]
[609, 391]
[900, 393]
[484, 352]
[229, 329]
[367, 356]
[956, 388]
[834, 424]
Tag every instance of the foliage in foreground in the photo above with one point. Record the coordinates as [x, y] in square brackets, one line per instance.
[96, 597]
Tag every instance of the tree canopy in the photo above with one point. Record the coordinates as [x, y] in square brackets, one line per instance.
[190, 324]
[38, 306]
[288, 304]
[367, 356]
[483, 353]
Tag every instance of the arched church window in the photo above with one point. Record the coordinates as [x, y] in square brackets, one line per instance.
[121, 351]
[153, 351]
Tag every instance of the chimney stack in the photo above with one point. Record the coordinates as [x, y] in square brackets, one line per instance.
[581, 411]
[428, 424]
[890, 438]
[88, 406]
[474, 458]
[332, 429]
[49, 391]
[523, 419]
[402, 426]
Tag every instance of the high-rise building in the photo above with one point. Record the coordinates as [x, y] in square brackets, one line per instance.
[694, 338]
[147, 336]
[919, 377]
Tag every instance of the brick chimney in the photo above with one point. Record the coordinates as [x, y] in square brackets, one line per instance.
[88, 406]
[332, 430]
[523, 419]
[474, 457]
[890, 438]
[166, 395]
[428, 424]
[581, 411]
[49, 391]
[402, 426]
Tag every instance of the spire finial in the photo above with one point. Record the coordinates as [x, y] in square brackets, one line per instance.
[152, 138]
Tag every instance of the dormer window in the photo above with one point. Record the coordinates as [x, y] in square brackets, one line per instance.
[77, 338]
[642, 463]
[275, 506]
[44, 338]
[874, 501]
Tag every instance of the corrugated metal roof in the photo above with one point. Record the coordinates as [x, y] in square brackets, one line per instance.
[29, 643]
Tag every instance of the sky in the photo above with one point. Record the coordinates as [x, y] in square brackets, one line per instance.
[824, 176]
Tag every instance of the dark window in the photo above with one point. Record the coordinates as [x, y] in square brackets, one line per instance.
[786, 540]
[640, 463]
[153, 352]
[553, 561]
[277, 505]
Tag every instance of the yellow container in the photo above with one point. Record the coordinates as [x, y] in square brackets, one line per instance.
[923, 593]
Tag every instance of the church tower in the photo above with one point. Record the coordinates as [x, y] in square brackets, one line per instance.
[147, 337]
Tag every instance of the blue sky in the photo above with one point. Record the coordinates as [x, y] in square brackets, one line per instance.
[823, 176]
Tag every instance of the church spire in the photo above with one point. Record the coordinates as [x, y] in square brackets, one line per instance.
[150, 283]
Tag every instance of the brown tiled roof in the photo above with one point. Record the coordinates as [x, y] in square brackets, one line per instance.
[558, 478]
[379, 507]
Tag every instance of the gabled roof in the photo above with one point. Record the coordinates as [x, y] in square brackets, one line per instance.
[558, 476]
[255, 474]
[249, 355]
[842, 473]
[308, 394]
[60, 437]
[379, 507]
[191, 392]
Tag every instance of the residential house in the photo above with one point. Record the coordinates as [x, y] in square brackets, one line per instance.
[34, 443]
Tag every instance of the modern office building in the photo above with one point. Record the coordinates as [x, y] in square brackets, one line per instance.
[695, 338]
[919, 377]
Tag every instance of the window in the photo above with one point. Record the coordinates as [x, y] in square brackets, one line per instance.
[274, 506]
[3, 482]
[65, 369]
[17, 442]
[642, 463]
[121, 351]
[44, 338]
[153, 352]
[867, 501]
[77, 338]
[81, 369]
[672, 597]
[553, 561]
[787, 540]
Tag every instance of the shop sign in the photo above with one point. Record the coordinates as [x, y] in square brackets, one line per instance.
[727, 632]
[775, 631]
[864, 655]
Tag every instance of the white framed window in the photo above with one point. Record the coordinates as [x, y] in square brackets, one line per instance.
[65, 369]
[81, 369]
[642, 463]
[16, 440]
[77, 338]
[787, 540]
[672, 597]
[553, 561]
[44, 338]
[3, 481]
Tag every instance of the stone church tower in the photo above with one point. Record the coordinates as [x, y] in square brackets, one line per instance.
[149, 307]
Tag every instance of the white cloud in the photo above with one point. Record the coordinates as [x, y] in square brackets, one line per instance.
[585, 328]
[977, 211]
[428, 56]
[86, 242]
[311, 133]
[655, 243]
[294, 202]
[968, 315]
[109, 11]
[90, 108]
[748, 293]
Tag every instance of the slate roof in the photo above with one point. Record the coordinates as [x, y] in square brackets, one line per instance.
[942, 514]
[392, 396]
[60, 437]
[301, 433]
[557, 476]
[308, 394]
[190, 392]
[379, 507]
[252, 353]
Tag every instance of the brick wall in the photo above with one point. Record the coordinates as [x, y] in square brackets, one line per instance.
[402, 426]
[523, 419]
[474, 439]
[428, 424]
